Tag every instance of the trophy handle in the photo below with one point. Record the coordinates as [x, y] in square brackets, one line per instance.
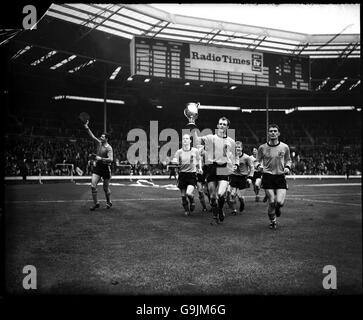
[185, 113]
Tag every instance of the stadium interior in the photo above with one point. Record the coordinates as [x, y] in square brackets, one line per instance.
[42, 127]
[147, 244]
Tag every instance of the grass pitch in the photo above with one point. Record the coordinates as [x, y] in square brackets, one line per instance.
[144, 245]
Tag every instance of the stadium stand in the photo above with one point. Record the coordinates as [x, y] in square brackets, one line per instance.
[319, 144]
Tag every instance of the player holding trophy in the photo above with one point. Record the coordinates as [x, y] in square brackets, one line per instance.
[219, 162]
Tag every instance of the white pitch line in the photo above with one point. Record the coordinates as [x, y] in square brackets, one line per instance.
[324, 194]
[113, 200]
[291, 197]
[329, 202]
[329, 185]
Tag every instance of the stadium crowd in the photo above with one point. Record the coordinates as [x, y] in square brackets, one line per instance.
[48, 156]
[48, 143]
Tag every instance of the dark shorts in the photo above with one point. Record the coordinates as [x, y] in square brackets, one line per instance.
[256, 175]
[103, 170]
[273, 181]
[201, 177]
[239, 182]
[186, 179]
[215, 172]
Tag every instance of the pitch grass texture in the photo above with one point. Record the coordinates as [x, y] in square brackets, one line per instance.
[149, 247]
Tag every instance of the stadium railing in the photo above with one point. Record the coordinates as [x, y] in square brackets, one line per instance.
[158, 177]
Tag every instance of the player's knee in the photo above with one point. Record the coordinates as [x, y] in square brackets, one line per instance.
[213, 202]
[272, 205]
[279, 204]
[220, 195]
[93, 188]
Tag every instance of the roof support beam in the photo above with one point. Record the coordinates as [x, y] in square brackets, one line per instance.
[261, 40]
[73, 53]
[99, 23]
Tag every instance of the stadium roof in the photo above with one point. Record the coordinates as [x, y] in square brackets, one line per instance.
[129, 20]
[75, 50]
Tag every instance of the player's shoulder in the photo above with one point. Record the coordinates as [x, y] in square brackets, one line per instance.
[209, 136]
[230, 140]
[283, 145]
[263, 146]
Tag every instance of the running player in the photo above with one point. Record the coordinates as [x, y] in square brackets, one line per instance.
[256, 179]
[189, 160]
[241, 178]
[274, 157]
[201, 182]
[220, 150]
[104, 159]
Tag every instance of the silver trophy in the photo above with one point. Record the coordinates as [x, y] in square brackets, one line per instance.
[191, 112]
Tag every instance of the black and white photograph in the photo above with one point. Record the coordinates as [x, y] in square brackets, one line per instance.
[199, 150]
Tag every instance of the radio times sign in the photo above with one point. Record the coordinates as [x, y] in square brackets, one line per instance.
[187, 61]
[225, 59]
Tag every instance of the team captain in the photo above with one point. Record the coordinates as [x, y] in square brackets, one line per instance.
[220, 159]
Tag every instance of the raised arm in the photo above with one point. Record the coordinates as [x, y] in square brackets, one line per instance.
[90, 132]
[199, 140]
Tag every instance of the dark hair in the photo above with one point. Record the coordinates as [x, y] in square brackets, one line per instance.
[224, 118]
[273, 125]
[107, 135]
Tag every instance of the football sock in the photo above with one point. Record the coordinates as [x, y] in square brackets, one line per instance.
[221, 202]
[108, 195]
[242, 204]
[185, 203]
[202, 200]
[94, 194]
